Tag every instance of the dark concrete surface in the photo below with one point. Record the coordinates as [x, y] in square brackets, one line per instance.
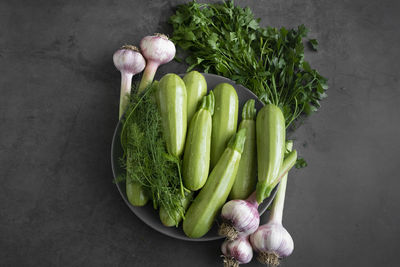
[59, 94]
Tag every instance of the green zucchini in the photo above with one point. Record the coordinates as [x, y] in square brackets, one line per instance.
[177, 217]
[196, 159]
[208, 203]
[246, 177]
[171, 99]
[270, 132]
[196, 88]
[224, 123]
[135, 193]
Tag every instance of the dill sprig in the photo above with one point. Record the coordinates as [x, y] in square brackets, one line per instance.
[146, 158]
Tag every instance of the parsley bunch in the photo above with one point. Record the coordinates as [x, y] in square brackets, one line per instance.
[227, 40]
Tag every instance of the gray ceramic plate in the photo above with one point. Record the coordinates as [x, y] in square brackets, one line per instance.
[150, 216]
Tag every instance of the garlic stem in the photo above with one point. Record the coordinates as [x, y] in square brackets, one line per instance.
[278, 205]
[148, 75]
[252, 199]
[126, 83]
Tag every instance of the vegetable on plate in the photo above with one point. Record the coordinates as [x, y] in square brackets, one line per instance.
[172, 101]
[196, 159]
[135, 191]
[246, 177]
[201, 214]
[175, 217]
[224, 123]
[270, 127]
[196, 88]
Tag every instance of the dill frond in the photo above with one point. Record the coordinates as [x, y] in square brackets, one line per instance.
[147, 160]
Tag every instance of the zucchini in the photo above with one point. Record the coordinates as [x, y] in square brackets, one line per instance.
[270, 132]
[196, 159]
[196, 88]
[224, 123]
[208, 203]
[177, 217]
[136, 194]
[246, 177]
[171, 99]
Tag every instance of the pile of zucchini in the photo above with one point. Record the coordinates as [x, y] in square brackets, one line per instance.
[219, 160]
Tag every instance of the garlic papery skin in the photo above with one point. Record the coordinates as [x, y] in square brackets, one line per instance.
[240, 218]
[237, 251]
[128, 59]
[157, 50]
[129, 62]
[272, 242]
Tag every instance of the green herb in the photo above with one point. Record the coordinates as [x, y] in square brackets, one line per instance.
[147, 160]
[314, 44]
[300, 163]
[227, 40]
[119, 179]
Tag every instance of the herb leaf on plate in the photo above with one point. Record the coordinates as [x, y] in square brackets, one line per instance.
[147, 159]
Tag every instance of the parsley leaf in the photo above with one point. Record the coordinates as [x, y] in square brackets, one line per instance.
[314, 44]
[300, 163]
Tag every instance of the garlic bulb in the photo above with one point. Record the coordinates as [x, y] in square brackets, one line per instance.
[237, 251]
[272, 242]
[240, 218]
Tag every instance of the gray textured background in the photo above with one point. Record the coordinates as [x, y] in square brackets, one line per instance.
[59, 106]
